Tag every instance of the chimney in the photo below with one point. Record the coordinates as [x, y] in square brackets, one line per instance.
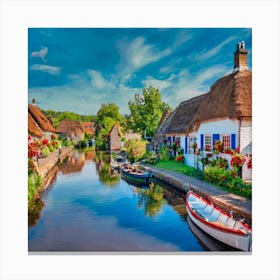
[240, 57]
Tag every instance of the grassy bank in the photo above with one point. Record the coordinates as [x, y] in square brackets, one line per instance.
[34, 202]
[216, 176]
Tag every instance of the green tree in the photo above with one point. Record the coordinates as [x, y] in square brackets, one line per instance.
[146, 111]
[102, 134]
[57, 117]
[106, 117]
[135, 149]
[109, 110]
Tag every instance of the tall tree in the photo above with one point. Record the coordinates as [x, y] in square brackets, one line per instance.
[146, 111]
[109, 110]
[106, 117]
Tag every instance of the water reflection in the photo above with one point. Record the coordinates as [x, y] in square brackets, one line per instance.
[152, 199]
[106, 175]
[72, 163]
[121, 218]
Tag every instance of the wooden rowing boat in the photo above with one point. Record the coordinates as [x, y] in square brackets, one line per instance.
[218, 223]
[135, 173]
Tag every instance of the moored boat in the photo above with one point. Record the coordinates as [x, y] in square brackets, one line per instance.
[117, 163]
[135, 173]
[218, 223]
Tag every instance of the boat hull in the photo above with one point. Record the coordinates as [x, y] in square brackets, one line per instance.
[140, 179]
[230, 237]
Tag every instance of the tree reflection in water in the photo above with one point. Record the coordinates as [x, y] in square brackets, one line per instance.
[152, 199]
[107, 177]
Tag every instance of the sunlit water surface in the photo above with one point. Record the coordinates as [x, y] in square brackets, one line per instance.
[87, 208]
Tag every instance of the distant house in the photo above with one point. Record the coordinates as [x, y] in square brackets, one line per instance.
[115, 138]
[41, 121]
[70, 129]
[88, 127]
[34, 130]
[224, 113]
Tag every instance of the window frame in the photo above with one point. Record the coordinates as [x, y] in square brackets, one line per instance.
[190, 150]
[211, 141]
[229, 140]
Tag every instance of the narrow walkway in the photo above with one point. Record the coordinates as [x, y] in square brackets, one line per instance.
[46, 164]
[230, 202]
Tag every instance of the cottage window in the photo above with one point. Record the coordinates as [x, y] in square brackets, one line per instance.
[190, 145]
[208, 142]
[226, 141]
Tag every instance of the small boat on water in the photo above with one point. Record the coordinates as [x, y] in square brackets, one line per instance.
[117, 162]
[218, 223]
[135, 173]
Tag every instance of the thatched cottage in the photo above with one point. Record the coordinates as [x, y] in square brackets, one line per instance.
[224, 113]
[34, 130]
[115, 138]
[70, 129]
[88, 127]
[38, 125]
[159, 136]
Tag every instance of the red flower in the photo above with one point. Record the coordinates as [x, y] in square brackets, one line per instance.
[180, 158]
[207, 147]
[32, 151]
[45, 142]
[237, 160]
[228, 151]
[237, 150]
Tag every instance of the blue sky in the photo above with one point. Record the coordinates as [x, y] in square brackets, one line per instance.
[79, 69]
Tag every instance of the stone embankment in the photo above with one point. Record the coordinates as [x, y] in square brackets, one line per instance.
[47, 167]
[240, 206]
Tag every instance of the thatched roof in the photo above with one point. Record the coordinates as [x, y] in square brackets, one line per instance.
[229, 97]
[158, 137]
[88, 127]
[71, 127]
[40, 118]
[33, 128]
[183, 117]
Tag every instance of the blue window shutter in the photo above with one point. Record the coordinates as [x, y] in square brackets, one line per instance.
[215, 138]
[201, 141]
[233, 144]
[186, 145]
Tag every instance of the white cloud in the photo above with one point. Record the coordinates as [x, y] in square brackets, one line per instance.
[185, 85]
[159, 84]
[205, 54]
[84, 94]
[136, 54]
[53, 70]
[42, 53]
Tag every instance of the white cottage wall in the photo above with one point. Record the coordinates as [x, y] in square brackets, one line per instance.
[245, 134]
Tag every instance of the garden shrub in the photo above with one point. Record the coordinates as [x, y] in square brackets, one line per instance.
[135, 149]
[228, 179]
[45, 152]
[150, 157]
[180, 158]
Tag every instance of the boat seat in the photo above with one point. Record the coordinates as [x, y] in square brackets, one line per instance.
[206, 211]
[214, 216]
[230, 223]
[222, 219]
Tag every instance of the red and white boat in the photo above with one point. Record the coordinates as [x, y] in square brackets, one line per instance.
[218, 223]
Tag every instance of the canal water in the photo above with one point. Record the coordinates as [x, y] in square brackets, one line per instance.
[87, 208]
